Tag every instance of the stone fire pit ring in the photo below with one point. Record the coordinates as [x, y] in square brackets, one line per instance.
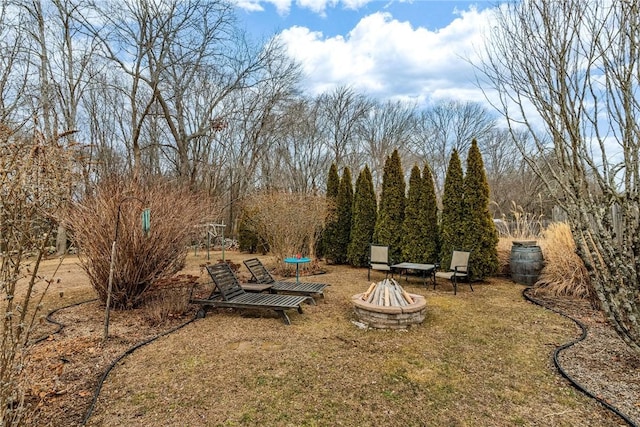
[390, 317]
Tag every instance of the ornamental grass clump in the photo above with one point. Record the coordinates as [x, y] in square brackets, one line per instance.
[564, 272]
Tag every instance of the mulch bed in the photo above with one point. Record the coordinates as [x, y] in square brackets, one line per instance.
[602, 363]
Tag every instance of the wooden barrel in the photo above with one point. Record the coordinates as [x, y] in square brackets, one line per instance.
[526, 262]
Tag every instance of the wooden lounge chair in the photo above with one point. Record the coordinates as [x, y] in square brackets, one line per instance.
[459, 270]
[228, 293]
[261, 275]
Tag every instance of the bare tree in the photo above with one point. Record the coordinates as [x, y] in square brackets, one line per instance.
[388, 126]
[511, 179]
[301, 149]
[446, 126]
[239, 155]
[568, 72]
[64, 57]
[186, 64]
[102, 107]
[127, 32]
[14, 64]
[341, 114]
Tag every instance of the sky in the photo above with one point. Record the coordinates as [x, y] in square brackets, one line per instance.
[399, 50]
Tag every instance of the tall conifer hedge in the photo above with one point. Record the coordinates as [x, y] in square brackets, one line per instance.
[343, 216]
[429, 217]
[364, 220]
[388, 230]
[480, 234]
[413, 241]
[421, 234]
[453, 211]
[330, 228]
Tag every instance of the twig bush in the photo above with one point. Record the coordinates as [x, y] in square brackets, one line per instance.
[290, 223]
[141, 260]
[36, 180]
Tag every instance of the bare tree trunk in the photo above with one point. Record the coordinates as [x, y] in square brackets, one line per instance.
[61, 240]
[568, 72]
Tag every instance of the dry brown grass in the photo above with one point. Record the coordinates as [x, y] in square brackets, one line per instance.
[504, 255]
[480, 358]
[564, 272]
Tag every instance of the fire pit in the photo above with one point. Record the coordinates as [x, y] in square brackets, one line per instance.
[386, 305]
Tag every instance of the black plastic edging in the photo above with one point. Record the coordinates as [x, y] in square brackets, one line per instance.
[563, 347]
[115, 362]
[55, 322]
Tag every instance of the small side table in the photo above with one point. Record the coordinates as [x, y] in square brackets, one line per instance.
[429, 269]
[297, 262]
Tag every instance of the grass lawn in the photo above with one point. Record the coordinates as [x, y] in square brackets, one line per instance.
[480, 358]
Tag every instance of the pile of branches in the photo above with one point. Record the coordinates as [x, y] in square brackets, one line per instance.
[387, 293]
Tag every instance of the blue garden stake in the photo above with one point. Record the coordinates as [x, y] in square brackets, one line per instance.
[146, 221]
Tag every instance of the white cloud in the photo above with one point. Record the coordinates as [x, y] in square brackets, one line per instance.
[316, 6]
[282, 6]
[354, 4]
[389, 58]
[249, 5]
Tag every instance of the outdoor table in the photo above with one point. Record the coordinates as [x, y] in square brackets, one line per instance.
[425, 268]
[297, 261]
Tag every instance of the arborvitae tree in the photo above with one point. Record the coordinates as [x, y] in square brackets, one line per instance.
[421, 233]
[453, 211]
[413, 244]
[388, 230]
[330, 229]
[480, 234]
[344, 208]
[429, 217]
[364, 220]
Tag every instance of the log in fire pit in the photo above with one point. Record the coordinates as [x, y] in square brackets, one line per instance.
[386, 305]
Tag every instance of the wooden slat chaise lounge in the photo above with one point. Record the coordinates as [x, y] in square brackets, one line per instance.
[228, 293]
[261, 275]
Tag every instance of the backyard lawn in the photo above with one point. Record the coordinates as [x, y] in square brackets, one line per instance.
[480, 358]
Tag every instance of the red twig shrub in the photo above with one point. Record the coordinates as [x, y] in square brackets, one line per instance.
[141, 259]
